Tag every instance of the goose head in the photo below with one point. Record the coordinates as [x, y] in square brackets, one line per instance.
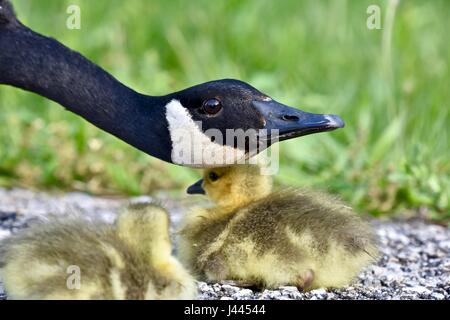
[224, 121]
[212, 124]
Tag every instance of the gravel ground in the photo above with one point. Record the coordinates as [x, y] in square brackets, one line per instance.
[415, 263]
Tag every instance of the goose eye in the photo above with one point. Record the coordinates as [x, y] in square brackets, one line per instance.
[213, 176]
[212, 106]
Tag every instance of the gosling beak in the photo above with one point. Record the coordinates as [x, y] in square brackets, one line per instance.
[292, 123]
[196, 188]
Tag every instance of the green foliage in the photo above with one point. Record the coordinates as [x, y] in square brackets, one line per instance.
[391, 86]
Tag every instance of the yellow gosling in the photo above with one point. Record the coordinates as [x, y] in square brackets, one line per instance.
[73, 258]
[270, 239]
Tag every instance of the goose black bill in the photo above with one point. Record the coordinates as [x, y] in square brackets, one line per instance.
[283, 122]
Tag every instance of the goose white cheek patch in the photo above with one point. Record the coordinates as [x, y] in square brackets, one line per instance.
[191, 146]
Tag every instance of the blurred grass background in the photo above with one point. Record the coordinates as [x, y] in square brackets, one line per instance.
[391, 86]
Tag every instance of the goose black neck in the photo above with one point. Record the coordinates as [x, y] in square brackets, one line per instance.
[44, 66]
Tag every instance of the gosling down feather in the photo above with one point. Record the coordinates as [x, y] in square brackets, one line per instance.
[73, 258]
[270, 239]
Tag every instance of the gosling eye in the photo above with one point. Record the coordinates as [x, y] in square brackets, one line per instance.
[213, 176]
[212, 106]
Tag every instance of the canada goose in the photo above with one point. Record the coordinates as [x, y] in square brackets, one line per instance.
[289, 237]
[156, 125]
[129, 260]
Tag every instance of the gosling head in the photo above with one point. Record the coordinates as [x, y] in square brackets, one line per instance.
[145, 227]
[220, 122]
[233, 186]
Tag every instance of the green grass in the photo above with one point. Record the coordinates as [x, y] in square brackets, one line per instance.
[391, 86]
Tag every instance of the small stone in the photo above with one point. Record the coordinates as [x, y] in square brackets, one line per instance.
[445, 245]
[291, 292]
[319, 292]
[289, 288]
[217, 287]
[246, 292]
[141, 199]
[229, 289]
[202, 285]
[437, 296]
[418, 289]
[4, 234]
[377, 271]
[271, 294]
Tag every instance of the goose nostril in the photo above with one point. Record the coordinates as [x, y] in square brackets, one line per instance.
[290, 118]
